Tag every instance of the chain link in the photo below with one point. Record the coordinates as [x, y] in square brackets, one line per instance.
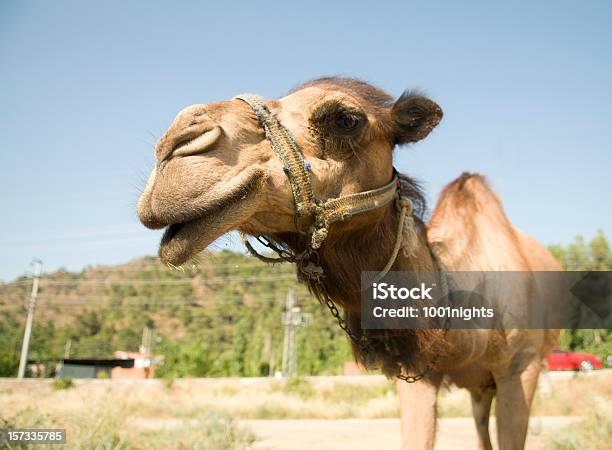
[363, 343]
[309, 267]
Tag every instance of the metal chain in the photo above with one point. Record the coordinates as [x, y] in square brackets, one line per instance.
[314, 273]
[414, 378]
[362, 343]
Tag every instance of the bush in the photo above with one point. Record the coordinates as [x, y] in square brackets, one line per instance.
[209, 430]
[62, 383]
[594, 432]
[299, 387]
[168, 381]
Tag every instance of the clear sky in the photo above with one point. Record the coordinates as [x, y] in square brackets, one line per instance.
[87, 87]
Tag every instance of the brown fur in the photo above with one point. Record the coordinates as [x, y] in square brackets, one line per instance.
[353, 248]
[216, 172]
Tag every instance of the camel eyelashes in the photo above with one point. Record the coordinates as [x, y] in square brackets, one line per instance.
[335, 118]
[347, 122]
[338, 128]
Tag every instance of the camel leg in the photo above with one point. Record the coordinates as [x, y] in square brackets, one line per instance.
[514, 395]
[481, 408]
[417, 403]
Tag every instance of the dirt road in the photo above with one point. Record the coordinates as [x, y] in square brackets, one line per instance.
[380, 434]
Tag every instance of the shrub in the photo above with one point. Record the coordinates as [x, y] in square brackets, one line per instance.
[62, 383]
[594, 432]
[299, 387]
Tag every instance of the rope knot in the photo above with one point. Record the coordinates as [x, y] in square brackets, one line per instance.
[405, 202]
[318, 236]
[311, 270]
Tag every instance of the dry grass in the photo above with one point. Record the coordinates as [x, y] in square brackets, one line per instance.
[573, 397]
[593, 432]
[102, 413]
[154, 413]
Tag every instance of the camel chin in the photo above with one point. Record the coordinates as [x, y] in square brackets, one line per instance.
[182, 241]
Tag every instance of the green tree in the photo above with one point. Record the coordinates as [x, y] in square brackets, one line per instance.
[582, 256]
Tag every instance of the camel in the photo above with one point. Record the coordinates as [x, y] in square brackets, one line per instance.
[217, 171]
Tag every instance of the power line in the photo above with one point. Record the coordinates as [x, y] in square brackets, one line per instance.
[141, 302]
[140, 282]
[200, 271]
[156, 302]
[197, 270]
[90, 299]
[206, 264]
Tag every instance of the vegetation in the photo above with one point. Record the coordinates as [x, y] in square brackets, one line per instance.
[581, 255]
[372, 397]
[593, 432]
[222, 317]
[62, 383]
[104, 417]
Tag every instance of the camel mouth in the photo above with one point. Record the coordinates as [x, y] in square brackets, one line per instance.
[172, 230]
[183, 240]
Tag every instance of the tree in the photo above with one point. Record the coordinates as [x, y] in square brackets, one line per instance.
[582, 256]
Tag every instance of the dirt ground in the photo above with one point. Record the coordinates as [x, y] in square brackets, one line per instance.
[381, 434]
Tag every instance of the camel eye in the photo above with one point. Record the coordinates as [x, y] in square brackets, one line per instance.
[338, 128]
[346, 122]
[333, 118]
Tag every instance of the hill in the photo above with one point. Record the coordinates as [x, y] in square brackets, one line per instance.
[221, 317]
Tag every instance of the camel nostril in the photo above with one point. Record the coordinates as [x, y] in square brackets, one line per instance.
[194, 145]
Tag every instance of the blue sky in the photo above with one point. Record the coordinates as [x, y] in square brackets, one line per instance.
[86, 88]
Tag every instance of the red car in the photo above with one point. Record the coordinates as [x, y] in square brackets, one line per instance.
[561, 360]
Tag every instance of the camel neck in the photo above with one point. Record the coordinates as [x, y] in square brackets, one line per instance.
[365, 243]
[350, 251]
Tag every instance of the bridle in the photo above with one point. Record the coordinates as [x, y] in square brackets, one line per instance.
[323, 214]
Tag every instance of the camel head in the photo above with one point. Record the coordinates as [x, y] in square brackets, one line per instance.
[216, 171]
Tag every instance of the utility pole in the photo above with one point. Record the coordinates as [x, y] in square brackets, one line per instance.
[23, 361]
[144, 340]
[292, 319]
[146, 345]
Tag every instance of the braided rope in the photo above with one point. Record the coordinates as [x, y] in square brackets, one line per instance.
[406, 209]
[284, 144]
[333, 210]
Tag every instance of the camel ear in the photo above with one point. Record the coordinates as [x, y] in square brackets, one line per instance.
[414, 116]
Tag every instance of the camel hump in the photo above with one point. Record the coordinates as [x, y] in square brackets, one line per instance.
[466, 176]
[475, 187]
[473, 232]
[472, 190]
[468, 197]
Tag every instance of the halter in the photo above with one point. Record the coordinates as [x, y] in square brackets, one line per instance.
[323, 213]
